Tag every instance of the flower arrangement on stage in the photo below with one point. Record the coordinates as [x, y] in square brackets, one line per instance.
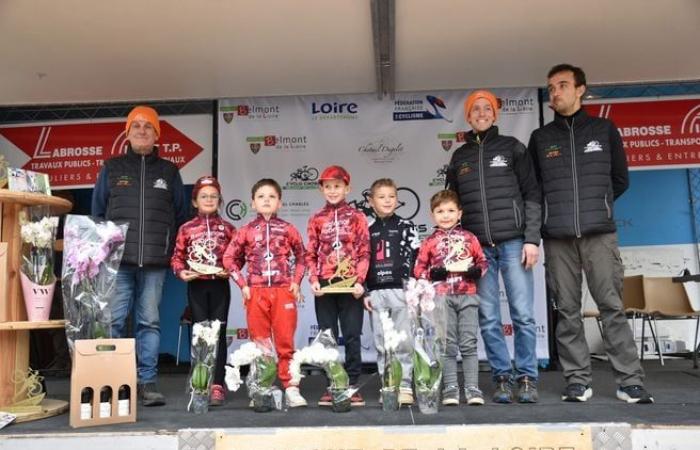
[92, 252]
[260, 356]
[323, 352]
[38, 233]
[37, 248]
[428, 319]
[391, 378]
[205, 337]
[420, 296]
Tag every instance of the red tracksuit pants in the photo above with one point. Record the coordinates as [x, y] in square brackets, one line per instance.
[272, 313]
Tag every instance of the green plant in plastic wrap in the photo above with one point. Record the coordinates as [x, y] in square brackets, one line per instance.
[337, 374]
[427, 371]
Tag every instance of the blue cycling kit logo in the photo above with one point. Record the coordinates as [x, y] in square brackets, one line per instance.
[427, 108]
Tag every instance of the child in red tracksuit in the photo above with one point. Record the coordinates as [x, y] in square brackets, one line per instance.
[439, 253]
[199, 247]
[338, 233]
[268, 245]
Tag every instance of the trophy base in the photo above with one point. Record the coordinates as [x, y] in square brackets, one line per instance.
[337, 290]
[204, 269]
[461, 266]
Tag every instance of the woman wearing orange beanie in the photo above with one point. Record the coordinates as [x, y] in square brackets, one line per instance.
[494, 178]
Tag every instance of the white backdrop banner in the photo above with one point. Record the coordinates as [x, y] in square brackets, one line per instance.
[410, 139]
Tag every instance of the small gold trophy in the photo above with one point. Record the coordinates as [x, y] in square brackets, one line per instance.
[457, 259]
[346, 281]
[201, 258]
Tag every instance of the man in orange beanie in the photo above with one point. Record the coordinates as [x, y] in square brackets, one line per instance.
[147, 192]
[495, 180]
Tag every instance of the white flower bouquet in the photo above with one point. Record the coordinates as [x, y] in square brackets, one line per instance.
[391, 378]
[323, 352]
[260, 355]
[205, 338]
[38, 233]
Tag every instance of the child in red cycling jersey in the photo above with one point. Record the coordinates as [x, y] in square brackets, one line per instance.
[453, 258]
[199, 248]
[274, 253]
[338, 233]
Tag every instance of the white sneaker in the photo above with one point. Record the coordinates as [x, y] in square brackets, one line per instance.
[293, 397]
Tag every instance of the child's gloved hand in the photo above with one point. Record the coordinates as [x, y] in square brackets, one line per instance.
[438, 274]
[474, 273]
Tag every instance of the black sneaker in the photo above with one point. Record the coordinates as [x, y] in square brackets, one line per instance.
[577, 392]
[149, 395]
[634, 394]
[527, 390]
[504, 390]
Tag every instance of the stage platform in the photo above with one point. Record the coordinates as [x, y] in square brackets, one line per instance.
[603, 422]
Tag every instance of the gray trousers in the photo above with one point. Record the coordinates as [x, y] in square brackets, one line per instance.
[394, 301]
[599, 257]
[462, 325]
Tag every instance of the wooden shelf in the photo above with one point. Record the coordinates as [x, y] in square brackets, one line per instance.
[25, 325]
[58, 205]
[14, 328]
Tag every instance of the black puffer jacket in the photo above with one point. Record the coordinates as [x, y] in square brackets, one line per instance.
[147, 192]
[581, 164]
[495, 180]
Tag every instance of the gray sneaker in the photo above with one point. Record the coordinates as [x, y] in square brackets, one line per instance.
[149, 395]
[504, 390]
[450, 396]
[473, 395]
[527, 390]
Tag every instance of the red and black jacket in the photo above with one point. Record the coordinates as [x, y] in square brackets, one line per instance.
[209, 232]
[272, 250]
[337, 232]
[434, 250]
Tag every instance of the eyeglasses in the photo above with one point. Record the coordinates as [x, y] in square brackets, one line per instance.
[208, 197]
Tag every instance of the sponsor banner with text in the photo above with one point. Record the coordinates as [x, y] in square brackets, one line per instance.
[72, 153]
[657, 134]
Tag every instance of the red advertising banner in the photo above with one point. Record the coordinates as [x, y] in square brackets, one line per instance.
[656, 133]
[73, 154]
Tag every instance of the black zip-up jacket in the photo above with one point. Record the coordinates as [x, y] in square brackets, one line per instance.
[394, 245]
[147, 192]
[581, 164]
[495, 180]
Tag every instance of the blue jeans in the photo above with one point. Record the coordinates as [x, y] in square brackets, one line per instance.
[506, 257]
[142, 289]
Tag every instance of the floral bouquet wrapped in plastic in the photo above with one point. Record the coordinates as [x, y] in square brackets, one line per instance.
[205, 337]
[428, 318]
[92, 252]
[38, 232]
[323, 352]
[261, 376]
[391, 378]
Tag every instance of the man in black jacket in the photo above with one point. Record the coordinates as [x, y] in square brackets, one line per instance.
[146, 191]
[494, 178]
[580, 161]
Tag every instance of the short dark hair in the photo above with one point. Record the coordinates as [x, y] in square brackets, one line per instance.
[382, 182]
[444, 196]
[266, 182]
[579, 74]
